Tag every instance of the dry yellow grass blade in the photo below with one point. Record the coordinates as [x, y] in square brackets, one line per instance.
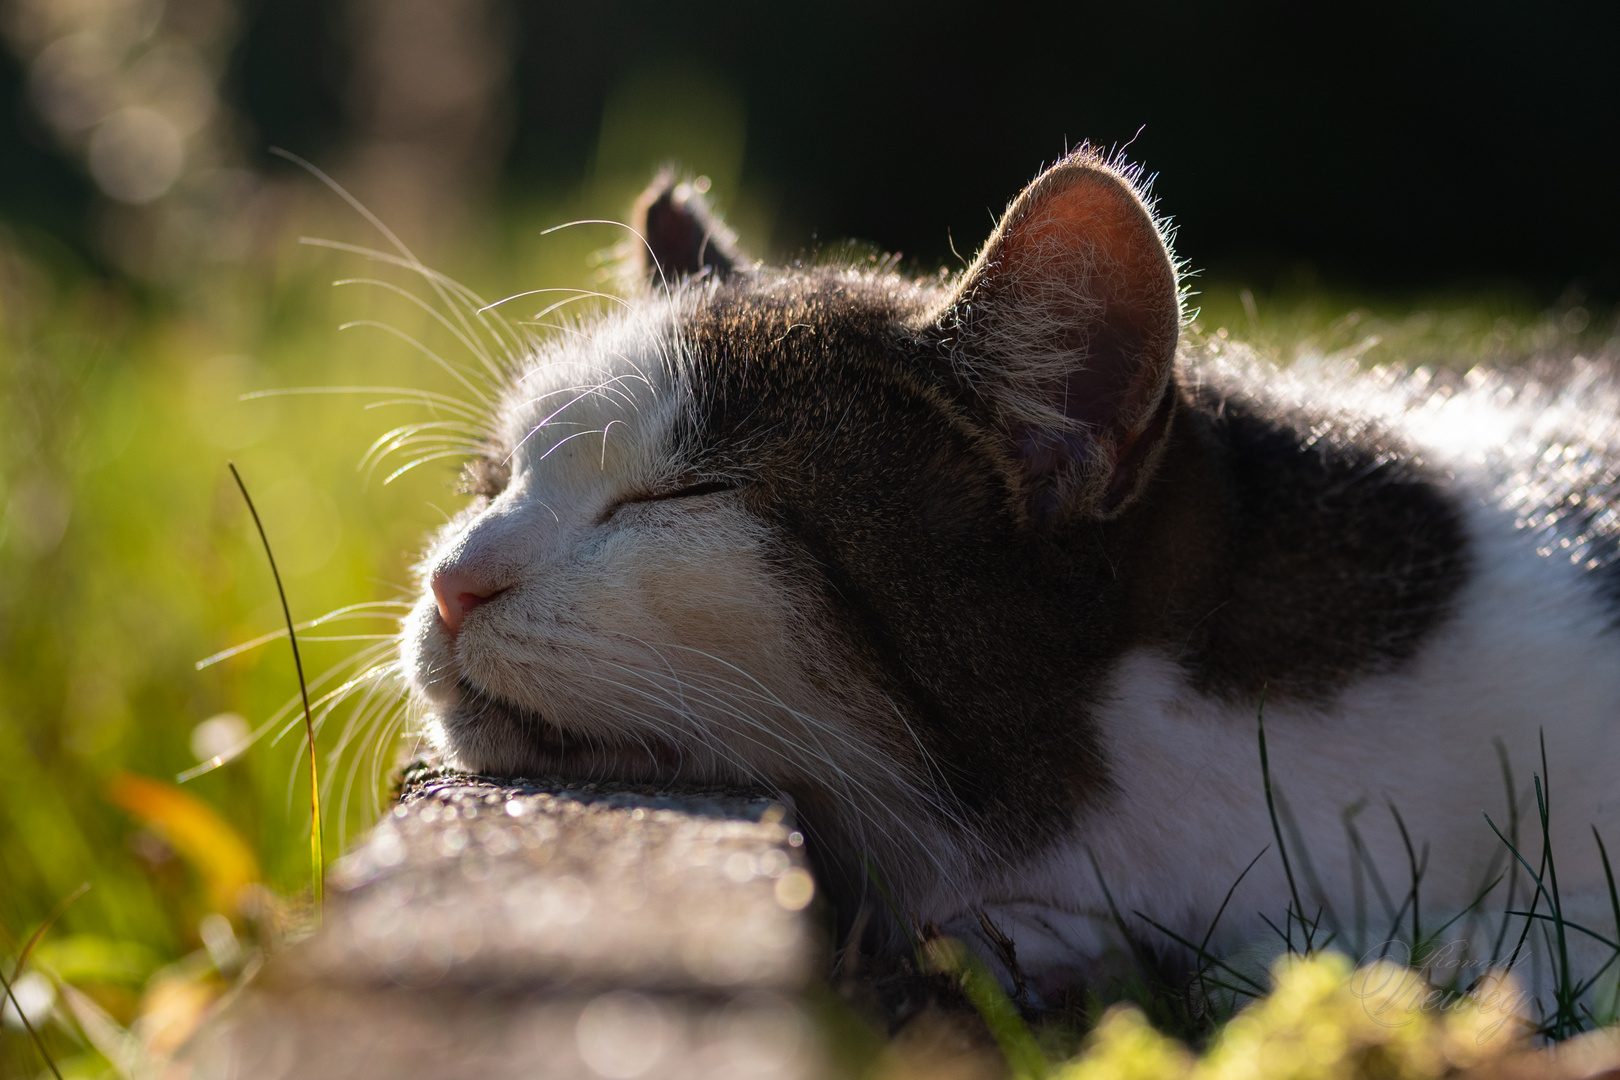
[195, 831]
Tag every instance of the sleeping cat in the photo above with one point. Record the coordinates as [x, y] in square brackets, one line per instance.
[992, 575]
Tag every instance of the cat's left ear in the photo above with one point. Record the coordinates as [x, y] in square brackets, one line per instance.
[683, 237]
[1064, 330]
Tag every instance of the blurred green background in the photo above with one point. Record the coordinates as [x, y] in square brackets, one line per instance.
[1427, 184]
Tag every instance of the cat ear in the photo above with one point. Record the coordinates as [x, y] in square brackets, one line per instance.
[683, 236]
[1065, 328]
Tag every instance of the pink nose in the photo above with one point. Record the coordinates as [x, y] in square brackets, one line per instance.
[458, 593]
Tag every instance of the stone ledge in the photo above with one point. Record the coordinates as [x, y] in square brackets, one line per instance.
[490, 928]
[435, 1034]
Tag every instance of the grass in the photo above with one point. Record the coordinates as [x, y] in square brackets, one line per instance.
[1385, 1019]
[317, 854]
[27, 951]
[126, 556]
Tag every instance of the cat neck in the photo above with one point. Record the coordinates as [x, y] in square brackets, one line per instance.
[1283, 553]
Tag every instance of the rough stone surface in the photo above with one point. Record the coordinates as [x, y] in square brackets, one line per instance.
[489, 929]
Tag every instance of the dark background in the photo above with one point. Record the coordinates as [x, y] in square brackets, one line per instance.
[1381, 145]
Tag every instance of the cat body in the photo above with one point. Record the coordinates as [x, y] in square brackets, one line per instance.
[993, 575]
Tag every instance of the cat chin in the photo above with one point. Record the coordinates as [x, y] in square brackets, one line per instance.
[486, 730]
[491, 736]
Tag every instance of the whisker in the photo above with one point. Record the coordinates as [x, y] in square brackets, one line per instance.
[882, 764]
[821, 758]
[584, 293]
[370, 712]
[501, 332]
[584, 393]
[570, 438]
[275, 718]
[446, 434]
[560, 304]
[352, 611]
[451, 369]
[327, 703]
[390, 724]
[403, 469]
[726, 753]
[399, 245]
[663, 279]
[381, 444]
[374, 684]
[473, 346]
[412, 397]
[360, 657]
[464, 294]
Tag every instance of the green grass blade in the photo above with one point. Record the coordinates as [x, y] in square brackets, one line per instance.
[1586, 984]
[1285, 932]
[1416, 870]
[1304, 866]
[317, 856]
[1566, 1003]
[22, 961]
[1614, 903]
[1023, 1054]
[1228, 898]
[39, 1043]
[1513, 832]
[1535, 894]
[50, 920]
[1207, 957]
[1575, 926]
[1608, 876]
[1365, 857]
[1276, 826]
[1483, 893]
[1144, 961]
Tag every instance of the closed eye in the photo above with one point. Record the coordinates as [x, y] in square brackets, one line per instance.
[688, 491]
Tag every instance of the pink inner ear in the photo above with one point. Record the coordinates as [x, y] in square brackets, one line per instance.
[1085, 259]
[683, 238]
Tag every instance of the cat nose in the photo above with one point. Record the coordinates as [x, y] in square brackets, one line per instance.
[457, 593]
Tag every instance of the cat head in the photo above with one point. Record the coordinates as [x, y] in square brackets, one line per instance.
[796, 527]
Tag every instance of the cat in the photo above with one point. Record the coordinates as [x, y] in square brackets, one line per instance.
[994, 576]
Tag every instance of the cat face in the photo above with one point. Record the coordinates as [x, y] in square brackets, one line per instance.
[610, 605]
[625, 599]
[797, 527]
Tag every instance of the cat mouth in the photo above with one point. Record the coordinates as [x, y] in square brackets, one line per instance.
[502, 737]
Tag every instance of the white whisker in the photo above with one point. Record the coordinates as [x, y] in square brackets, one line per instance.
[440, 285]
[352, 611]
[811, 761]
[410, 397]
[453, 370]
[472, 345]
[407, 467]
[583, 293]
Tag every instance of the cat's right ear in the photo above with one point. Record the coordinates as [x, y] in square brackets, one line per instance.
[680, 236]
[1063, 333]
